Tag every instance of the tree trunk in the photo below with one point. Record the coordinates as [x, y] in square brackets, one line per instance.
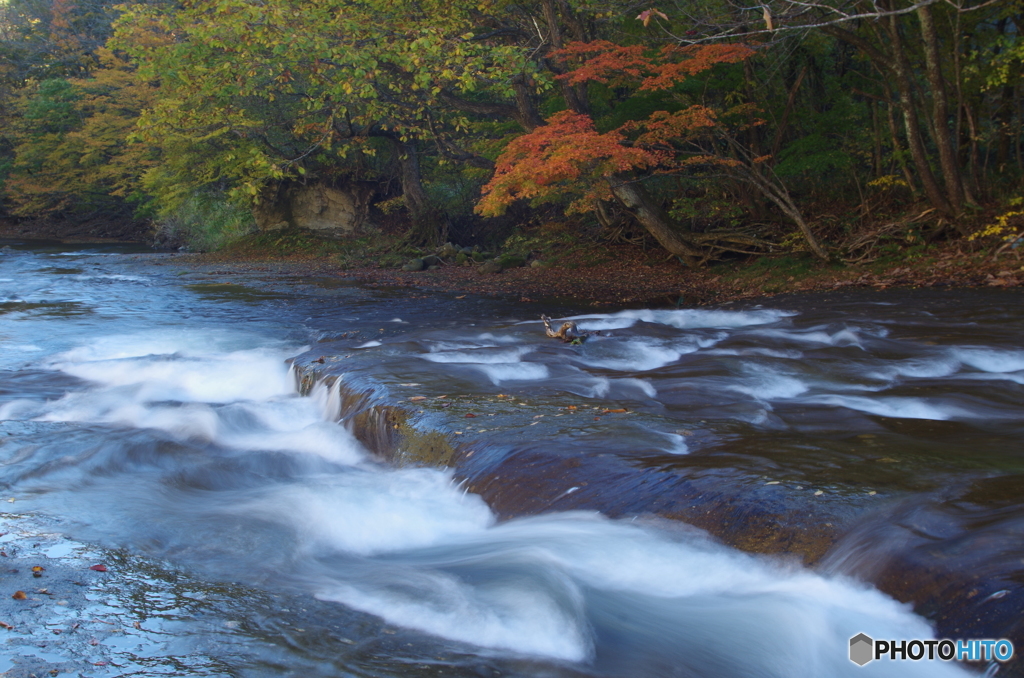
[876, 146]
[650, 215]
[790, 102]
[427, 226]
[897, 150]
[917, 151]
[973, 151]
[575, 98]
[528, 116]
[940, 112]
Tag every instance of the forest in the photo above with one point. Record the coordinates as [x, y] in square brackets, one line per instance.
[834, 128]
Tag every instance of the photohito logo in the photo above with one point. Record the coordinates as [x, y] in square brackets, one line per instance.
[863, 649]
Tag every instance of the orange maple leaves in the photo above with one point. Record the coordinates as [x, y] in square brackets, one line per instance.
[569, 156]
[553, 157]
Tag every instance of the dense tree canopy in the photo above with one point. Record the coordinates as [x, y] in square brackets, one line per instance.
[712, 127]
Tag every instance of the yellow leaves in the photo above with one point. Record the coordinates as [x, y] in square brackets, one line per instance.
[1003, 227]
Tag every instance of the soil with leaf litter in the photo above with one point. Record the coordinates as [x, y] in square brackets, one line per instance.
[623, 275]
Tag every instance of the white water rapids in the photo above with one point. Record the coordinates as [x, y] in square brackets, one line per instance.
[188, 438]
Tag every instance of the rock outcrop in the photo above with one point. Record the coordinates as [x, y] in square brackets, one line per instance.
[338, 210]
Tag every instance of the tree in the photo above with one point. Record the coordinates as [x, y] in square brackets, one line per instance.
[253, 94]
[569, 156]
[72, 152]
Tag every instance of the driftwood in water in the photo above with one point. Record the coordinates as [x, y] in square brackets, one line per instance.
[568, 332]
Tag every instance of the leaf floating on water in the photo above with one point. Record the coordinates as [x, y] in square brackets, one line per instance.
[470, 415]
[19, 595]
[772, 482]
[37, 570]
[410, 385]
[7, 626]
[99, 568]
[416, 399]
[818, 493]
[462, 297]
[570, 407]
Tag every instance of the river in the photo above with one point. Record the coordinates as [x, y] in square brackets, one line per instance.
[731, 491]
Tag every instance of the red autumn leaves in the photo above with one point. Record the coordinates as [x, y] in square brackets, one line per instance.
[570, 156]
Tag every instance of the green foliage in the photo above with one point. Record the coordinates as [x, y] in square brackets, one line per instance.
[814, 155]
[233, 96]
[71, 147]
[254, 92]
[205, 222]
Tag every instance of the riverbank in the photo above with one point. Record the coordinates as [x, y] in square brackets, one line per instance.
[626, 275]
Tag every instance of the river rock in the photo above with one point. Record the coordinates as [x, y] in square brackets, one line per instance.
[537, 263]
[415, 265]
[512, 261]
[489, 267]
[431, 260]
[448, 251]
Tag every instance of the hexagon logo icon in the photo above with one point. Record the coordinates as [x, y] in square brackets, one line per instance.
[862, 649]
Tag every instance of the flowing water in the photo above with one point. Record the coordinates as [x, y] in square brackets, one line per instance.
[150, 411]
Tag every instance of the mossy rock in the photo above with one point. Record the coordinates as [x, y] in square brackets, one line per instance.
[461, 258]
[448, 251]
[477, 256]
[489, 267]
[415, 265]
[511, 261]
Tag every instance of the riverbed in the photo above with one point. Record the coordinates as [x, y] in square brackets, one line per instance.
[285, 475]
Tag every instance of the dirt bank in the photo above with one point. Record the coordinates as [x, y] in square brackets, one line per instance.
[627, 275]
